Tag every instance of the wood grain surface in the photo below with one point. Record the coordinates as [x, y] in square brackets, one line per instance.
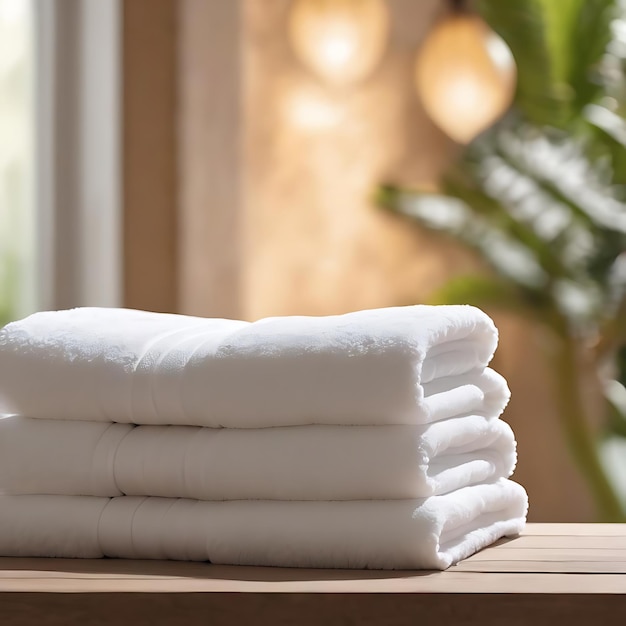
[572, 573]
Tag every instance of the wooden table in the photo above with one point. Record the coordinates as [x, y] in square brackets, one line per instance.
[552, 574]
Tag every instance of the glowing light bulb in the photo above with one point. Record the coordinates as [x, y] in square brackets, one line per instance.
[340, 40]
[465, 75]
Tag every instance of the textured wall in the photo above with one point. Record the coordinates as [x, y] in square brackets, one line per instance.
[313, 157]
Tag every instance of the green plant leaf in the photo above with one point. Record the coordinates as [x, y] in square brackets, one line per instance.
[456, 219]
[556, 44]
[588, 40]
[542, 91]
[615, 396]
[499, 217]
[487, 292]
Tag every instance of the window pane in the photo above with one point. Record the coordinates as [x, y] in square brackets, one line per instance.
[16, 159]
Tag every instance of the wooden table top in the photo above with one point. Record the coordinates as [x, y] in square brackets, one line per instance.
[572, 561]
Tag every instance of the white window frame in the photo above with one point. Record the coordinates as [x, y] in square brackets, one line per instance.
[78, 153]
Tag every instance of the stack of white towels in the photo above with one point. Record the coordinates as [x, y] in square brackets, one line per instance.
[365, 440]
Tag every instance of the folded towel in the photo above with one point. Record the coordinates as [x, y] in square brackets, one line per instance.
[59, 457]
[282, 463]
[368, 367]
[393, 534]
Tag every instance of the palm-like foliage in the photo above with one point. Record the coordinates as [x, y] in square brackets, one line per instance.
[540, 197]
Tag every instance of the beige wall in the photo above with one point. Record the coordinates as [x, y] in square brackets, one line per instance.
[314, 155]
[211, 127]
[274, 172]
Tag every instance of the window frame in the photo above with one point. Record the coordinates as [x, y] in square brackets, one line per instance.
[78, 153]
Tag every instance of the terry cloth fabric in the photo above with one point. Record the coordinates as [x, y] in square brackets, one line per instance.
[401, 365]
[432, 533]
[283, 463]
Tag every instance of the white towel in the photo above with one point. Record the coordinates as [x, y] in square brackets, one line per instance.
[368, 367]
[394, 534]
[51, 526]
[59, 457]
[283, 463]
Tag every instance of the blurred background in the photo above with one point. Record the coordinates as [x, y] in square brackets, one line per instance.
[246, 158]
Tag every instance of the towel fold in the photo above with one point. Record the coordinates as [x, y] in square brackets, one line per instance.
[394, 534]
[59, 457]
[283, 463]
[391, 366]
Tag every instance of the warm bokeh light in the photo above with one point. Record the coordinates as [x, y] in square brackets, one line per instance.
[312, 109]
[465, 75]
[340, 40]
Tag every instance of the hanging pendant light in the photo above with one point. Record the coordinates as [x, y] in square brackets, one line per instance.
[340, 40]
[465, 75]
